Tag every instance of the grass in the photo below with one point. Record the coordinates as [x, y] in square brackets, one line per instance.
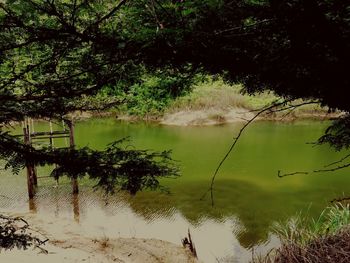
[325, 239]
[216, 94]
[301, 229]
[151, 102]
[220, 95]
[104, 242]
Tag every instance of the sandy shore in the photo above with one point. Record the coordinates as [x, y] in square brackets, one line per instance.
[68, 243]
[214, 116]
[206, 117]
[211, 116]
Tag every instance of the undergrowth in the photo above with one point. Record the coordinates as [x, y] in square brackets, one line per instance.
[324, 239]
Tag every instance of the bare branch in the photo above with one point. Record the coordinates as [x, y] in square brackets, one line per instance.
[235, 140]
[320, 170]
[294, 173]
[339, 161]
[290, 106]
[333, 169]
[242, 27]
[294, 106]
[111, 13]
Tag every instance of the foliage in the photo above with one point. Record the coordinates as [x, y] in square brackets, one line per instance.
[298, 49]
[54, 52]
[152, 93]
[338, 134]
[214, 92]
[15, 232]
[116, 166]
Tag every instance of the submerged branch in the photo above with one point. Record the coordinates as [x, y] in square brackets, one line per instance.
[340, 167]
[339, 161]
[333, 169]
[287, 174]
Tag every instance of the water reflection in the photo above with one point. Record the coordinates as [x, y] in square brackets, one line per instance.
[32, 205]
[76, 209]
[230, 229]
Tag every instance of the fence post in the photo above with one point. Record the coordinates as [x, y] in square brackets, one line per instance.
[72, 144]
[29, 142]
[29, 168]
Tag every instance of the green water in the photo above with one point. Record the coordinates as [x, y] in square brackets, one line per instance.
[249, 197]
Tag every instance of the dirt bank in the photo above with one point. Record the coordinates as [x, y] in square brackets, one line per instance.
[68, 243]
[212, 116]
[206, 117]
[219, 116]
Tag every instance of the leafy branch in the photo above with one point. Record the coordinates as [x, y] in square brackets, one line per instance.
[115, 167]
[16, 232]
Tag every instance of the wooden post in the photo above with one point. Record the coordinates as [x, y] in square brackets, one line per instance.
[32, 168]
[29, 169]
[35, 177]
[51, 140]
[72, 144]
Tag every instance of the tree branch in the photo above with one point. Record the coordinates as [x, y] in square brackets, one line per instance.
[287, 174]
[266, 109]
[333, 169]
[110, 14]
[339, 161]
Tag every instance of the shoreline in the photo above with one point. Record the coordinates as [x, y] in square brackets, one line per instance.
[212, 117]
[69, 243]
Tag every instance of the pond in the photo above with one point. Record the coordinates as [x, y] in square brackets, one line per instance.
[249, 196]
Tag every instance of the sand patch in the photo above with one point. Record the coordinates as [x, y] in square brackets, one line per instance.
[69, 244]
[209, 116]
[216, 116]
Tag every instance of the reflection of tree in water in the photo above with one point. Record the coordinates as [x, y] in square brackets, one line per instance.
[232, 199]
[255, 207]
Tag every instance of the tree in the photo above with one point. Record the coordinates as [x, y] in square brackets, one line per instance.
[52, 53]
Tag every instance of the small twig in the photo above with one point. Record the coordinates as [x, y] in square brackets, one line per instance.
[241, 27]
[320, 170]
[339, 161]
[294, 106]
[288, 113]
[294, 173]
[111, 13]
[333, 169]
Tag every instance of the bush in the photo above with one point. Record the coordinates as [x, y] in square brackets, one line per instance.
[152, 93]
